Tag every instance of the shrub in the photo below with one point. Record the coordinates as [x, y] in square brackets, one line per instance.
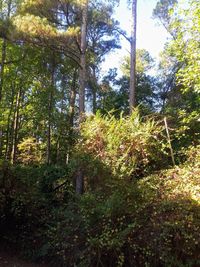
[154, 221]
[128, 146]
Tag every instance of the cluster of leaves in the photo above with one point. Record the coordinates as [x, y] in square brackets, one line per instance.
[187, 132]
[186, 46]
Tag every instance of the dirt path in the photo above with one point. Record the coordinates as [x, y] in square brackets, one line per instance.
[7, 260]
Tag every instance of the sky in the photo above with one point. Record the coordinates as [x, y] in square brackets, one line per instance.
[150, 35]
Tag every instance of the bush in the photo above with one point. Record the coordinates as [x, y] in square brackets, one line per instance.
[124, 148]
[27, 197]
[154, 221]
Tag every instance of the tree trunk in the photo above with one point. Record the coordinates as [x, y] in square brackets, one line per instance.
[48, 154]
[132, 93]
[8, 132]
[50, 106]
[15, 128]
[94, 90]
[82, 80]
[72, 101]
[3, 58]
[82, 72]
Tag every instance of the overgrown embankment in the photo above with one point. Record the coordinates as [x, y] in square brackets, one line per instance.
[131, 214]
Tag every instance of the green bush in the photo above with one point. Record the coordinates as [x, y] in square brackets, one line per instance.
[126, 147]
[154, 221]
[27, 196]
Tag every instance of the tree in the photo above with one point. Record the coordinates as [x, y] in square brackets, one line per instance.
[103, 37]
[115, 92]
[186, 46]
[179, 71]
[83, 46]
[163, 11]
[132, 93]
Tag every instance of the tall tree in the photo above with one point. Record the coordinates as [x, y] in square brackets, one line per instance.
[83, 46]
[146, 85]
[132, 93]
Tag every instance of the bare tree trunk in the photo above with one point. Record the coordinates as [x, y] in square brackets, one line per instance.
[50, 106]
[15, 128]
[3, 58]
[132, 93]
[94, 91]
[8, 132]
[72, 100]
[82, 72]
[82, 80]
[48, 154]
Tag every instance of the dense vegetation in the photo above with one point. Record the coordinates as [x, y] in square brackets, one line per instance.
[84, 180]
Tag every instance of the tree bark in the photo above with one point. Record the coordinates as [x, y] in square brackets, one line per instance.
[15, 128]
[50, 106]
[94, 90]
[8, 132]
[72, 101]
[3, 58]
[82, 72]
[132, 92]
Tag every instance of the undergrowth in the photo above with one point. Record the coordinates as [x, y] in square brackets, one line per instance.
[123, 218]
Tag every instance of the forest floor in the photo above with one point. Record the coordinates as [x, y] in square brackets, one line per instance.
[10, 259]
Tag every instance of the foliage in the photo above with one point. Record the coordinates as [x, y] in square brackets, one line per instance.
[178, 72]
[27, 196]
[127, 146]
[114, 93]
[153, 221]
[29, 149]
[163, 11]
[187, 131]
[125, 227]
[134, 211]
[186, 46]
[144, 62]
